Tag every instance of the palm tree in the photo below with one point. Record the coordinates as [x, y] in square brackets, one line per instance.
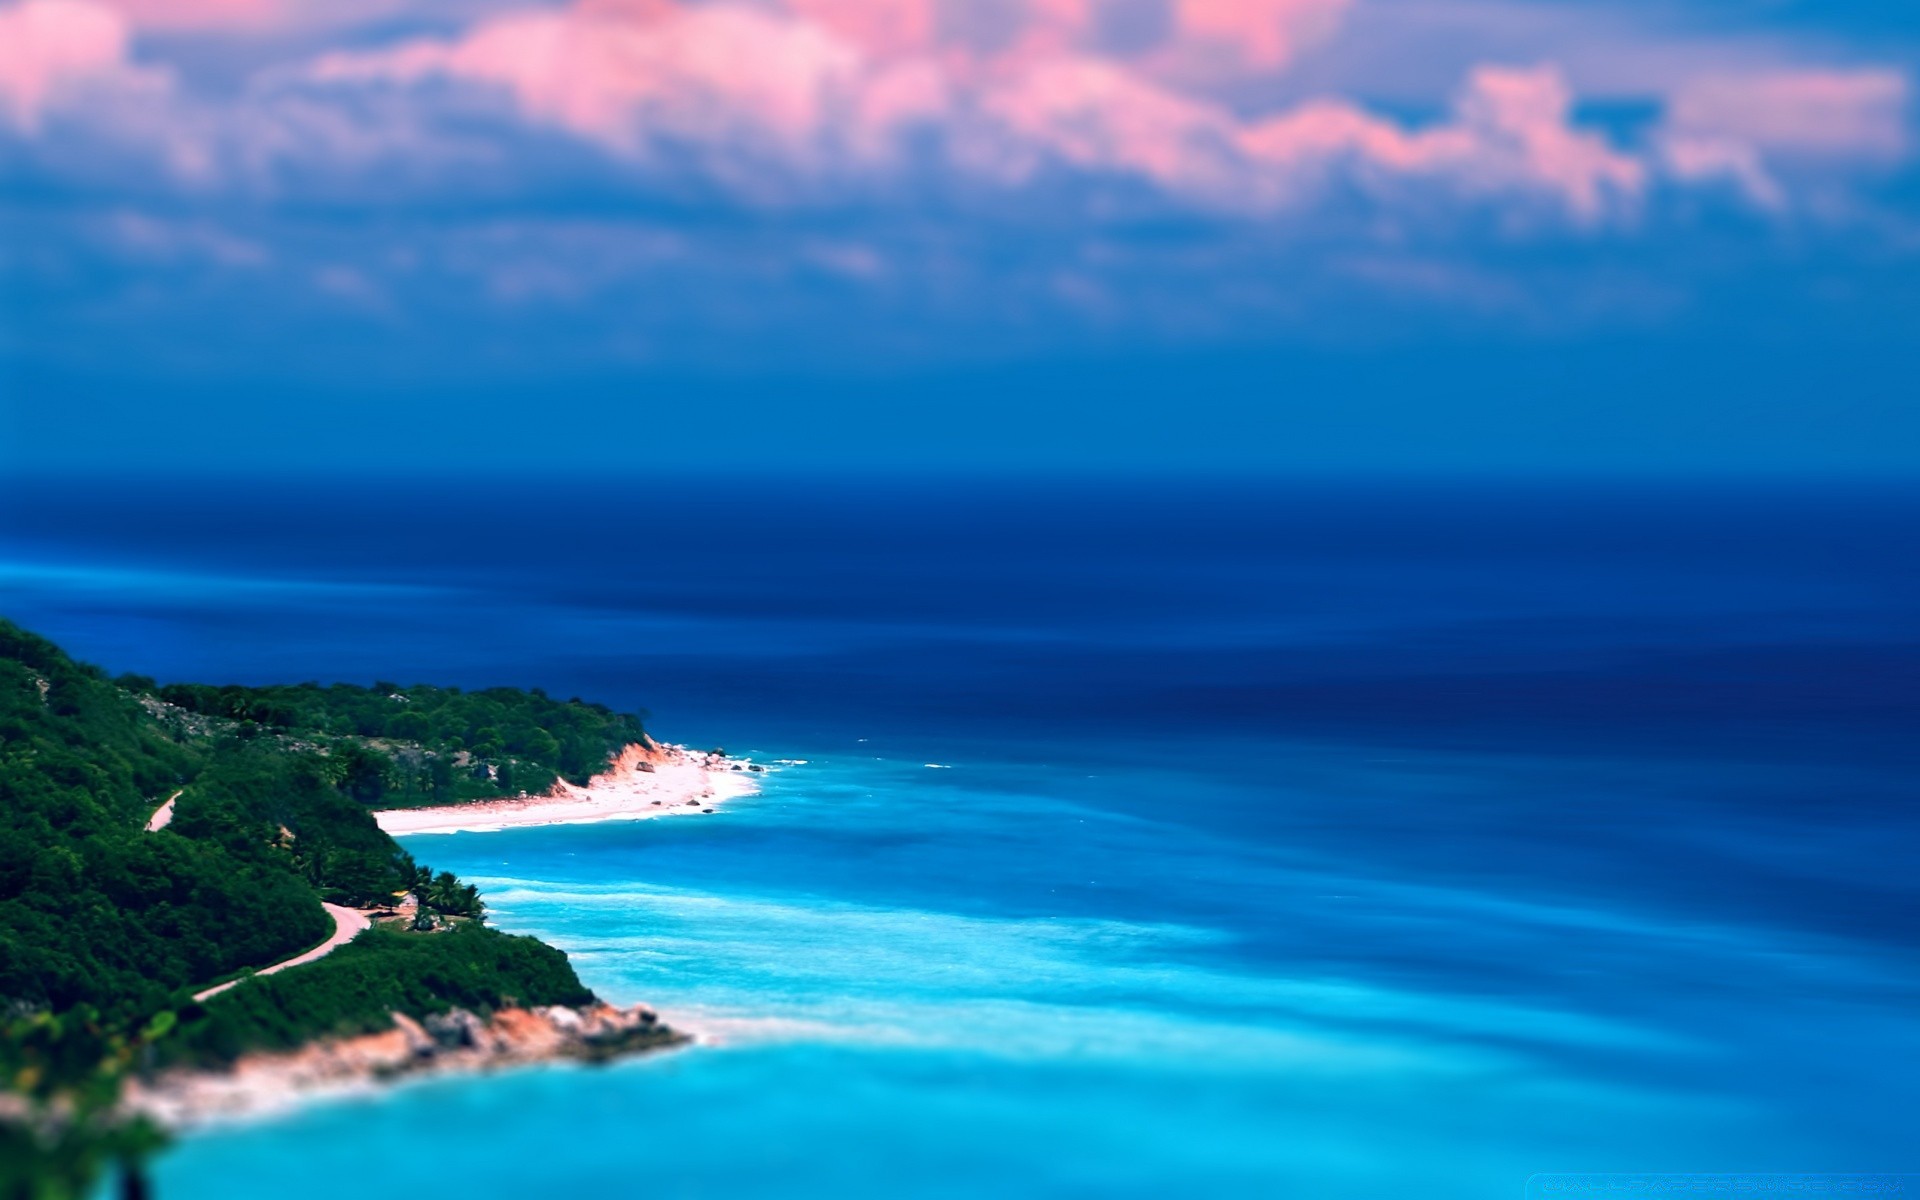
[419, 881]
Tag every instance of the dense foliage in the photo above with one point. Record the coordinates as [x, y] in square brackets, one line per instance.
[106, 928]
[92, 909]
[401, 747]
[252, 794]
[352, 990]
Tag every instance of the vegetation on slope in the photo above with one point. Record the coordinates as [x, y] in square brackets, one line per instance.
[405, 747]
[92, 909]
[106, 929]
[382, 971]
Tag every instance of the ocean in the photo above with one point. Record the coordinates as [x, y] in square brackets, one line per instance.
[1136, 837]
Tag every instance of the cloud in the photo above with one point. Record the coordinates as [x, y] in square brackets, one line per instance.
[1772, 133]
[1511, 135]
[1828, 115]
[1509, 139]
[1095, 116]
[760, 99]
[1711, 160]
[915, 157]
[1187, 35]
[808, 102]
[1261, 34]
[203, 14]
[54, 51]
[735, 83]
[892, 27]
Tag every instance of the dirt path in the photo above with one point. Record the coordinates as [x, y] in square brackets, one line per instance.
[163, 816]
[347, 924]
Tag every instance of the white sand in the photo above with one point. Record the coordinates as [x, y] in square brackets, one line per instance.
[647, 780]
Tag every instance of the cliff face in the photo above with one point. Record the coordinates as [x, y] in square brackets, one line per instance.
[455, 1041]
[647, 757]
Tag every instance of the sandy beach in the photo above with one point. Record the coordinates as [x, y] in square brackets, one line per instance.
[648, 779]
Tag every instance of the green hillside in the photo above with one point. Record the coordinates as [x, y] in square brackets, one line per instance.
[106, 929]
[416, 745]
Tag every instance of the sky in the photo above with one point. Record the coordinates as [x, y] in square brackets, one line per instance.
[1270, 236]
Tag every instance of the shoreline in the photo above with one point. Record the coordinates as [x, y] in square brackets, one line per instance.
[449, 1044]
[646, 780]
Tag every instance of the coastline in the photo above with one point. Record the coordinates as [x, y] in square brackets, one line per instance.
[645, 780]
[453, 1043]
[648, 779]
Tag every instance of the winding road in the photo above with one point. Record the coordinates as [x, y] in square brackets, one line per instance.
[347, 924]
[163, 816]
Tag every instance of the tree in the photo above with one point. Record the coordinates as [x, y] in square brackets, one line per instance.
[445, 893]
[440, 779]
[412, 726]
[363, 774]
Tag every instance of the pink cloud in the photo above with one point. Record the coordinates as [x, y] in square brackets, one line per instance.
[1510, 135]
[728, 79]
[1197, 35]
[1806, 114]
[789, 101]
[889, 27]
[1097, 116]
[1519, 125]
[52, 47]
[201, 14]
[47, 45]
[636, 12]
[1708, 160]
[1264, 34]
[748, 88]
[1054, 26]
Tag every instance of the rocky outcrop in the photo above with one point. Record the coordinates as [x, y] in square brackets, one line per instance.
[648, 757]
[452, 1041]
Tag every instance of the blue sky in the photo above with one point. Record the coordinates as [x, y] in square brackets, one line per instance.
[1300, 236]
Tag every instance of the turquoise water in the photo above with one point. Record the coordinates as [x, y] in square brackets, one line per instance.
[973, 979]
[1309, 843]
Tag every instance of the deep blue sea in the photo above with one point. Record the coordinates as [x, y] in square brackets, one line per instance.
[1151, 839]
